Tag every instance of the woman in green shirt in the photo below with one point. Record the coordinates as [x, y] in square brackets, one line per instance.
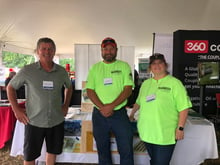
[163, 104]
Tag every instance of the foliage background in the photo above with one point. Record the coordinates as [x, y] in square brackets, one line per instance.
[16, 60]
[12, 60]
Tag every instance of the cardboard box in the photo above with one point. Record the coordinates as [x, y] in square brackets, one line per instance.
[86, 103]
[88, 143]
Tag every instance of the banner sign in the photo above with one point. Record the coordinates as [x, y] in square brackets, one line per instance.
[196, 58]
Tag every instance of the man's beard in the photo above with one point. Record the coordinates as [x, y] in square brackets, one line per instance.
[109, 57]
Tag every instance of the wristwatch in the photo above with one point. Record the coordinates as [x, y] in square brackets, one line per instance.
[181, 128]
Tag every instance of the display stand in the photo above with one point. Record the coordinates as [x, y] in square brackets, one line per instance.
[201, 99]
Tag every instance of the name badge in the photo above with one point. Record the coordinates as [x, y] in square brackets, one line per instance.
[107, 81]
[48, 85]
[151, 97]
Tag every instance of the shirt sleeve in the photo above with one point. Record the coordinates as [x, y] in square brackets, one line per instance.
[181, 97]
[128, 76]
[18, 80]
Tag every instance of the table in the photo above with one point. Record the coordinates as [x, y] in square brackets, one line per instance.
[7, 123]
[199, 144]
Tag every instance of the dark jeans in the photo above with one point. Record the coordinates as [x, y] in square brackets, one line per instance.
[120, 126]
[160, 154]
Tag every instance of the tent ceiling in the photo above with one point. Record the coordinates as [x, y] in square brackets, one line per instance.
[130, 22]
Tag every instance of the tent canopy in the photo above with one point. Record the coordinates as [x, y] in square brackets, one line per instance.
[130, 22]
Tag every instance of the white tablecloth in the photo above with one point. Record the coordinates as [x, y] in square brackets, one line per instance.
[199, 144]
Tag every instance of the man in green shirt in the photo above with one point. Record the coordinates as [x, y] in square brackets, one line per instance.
[109, 84]
[44, 113]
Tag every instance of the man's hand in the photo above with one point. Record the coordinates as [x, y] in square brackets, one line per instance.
[65, 110]
[20, 114]
[107, 110]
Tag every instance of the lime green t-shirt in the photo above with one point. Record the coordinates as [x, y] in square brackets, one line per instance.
[109, 80]
[160, 103]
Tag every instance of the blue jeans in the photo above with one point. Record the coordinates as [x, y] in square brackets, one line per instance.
[160, 154]
[120, 126]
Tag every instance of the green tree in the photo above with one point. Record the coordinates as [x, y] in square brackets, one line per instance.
[12, 60]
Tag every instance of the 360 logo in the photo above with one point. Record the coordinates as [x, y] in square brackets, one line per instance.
[196, 46]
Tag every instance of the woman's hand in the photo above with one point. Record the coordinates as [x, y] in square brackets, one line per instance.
[179, 134]
[134, 110]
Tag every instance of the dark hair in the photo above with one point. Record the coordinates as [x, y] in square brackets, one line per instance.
[157, 56]
[46, 40]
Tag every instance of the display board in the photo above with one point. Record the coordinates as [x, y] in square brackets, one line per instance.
[191, 48]
[143, 65]
[208, 73]
[85, 56]
[163, 43]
